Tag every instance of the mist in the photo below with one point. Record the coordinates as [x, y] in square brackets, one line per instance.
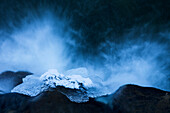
[144, 63]
[36, 46]
[115, 51]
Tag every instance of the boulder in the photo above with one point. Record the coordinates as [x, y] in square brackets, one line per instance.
[13, 103]
[10, 79]
[56, 102]
[127, 99]
[137, 99]
[48, 102]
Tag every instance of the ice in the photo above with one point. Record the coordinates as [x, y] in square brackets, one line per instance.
[53, 78]
[33, 85]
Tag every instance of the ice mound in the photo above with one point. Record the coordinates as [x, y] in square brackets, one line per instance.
[31, 86]
[53, 78]
[76, 86]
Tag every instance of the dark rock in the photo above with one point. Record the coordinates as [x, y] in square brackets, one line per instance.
[23, 74]
[137, 99]
[9, 79]
[48, 102]
[127, 99]
[56, 102]
[13, 103]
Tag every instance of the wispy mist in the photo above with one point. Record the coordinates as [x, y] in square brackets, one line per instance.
[144, 63]
[37, 46]
[115, 48]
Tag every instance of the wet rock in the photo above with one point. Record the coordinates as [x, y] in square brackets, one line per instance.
[137, 99]
[56, 102]
[9, 79]
[48, 102]
[13, 103]
[127, 99]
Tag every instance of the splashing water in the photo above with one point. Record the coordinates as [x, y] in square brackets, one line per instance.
[115, 47]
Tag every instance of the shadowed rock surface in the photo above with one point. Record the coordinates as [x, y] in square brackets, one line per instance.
[127, 99]
[48, 102]
[137, 99]
[9, 79]
[55, 102]
[13, 103]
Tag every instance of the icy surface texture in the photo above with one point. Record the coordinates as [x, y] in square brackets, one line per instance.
[31, 86]
[76, 87]
[52, 79]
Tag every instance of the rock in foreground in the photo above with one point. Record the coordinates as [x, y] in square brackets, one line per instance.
[10, 79]
[137, 99]
[127, 99]
[48, 102]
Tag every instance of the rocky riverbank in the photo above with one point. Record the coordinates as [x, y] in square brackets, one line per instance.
[127, 99]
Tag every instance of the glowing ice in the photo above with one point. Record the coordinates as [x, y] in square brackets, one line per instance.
[53, 78]
[34, 85]
[31, 86]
